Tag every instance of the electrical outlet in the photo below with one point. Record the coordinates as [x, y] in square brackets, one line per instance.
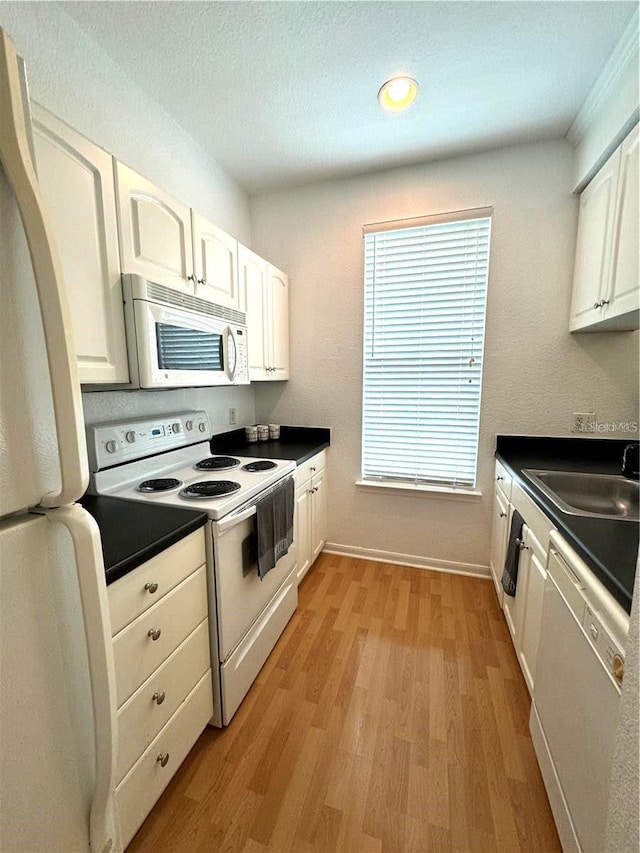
[232, 416]
[583, 422]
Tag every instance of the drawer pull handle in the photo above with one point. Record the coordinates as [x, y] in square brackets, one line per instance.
[163, 759]
[158, 697]
[312, 469]
[151, 587]
[154, 633]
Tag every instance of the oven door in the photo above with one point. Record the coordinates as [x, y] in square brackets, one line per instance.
[180, 348]
[240, 594]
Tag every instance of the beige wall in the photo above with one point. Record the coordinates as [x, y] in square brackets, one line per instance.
[535, 373]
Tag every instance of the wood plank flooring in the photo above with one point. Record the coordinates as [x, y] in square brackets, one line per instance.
[391, 717]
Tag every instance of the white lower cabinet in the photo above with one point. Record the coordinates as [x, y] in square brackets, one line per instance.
[522, 612]
[140, 789]
[536, 572]
[499, 536]
[310, 522]
[163, 673]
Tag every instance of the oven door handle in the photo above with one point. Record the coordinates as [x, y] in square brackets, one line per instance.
[236, 518]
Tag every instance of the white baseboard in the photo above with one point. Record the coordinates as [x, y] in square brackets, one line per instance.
[429, 563]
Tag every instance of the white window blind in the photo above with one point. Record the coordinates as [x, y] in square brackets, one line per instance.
[425, 306]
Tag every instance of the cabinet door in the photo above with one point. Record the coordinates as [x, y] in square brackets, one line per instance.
[215, 261]
[624, 288]
[76, 179]
[318, 514]
[514, 606]
[532, 618]
[278, 325]
[593, 248]
[252, 274]
[499, 533]
[155, 232]
[302, 529]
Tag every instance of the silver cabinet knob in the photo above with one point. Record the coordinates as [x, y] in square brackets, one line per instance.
[598, 304]
[202, 281]
[604, 302]
[192, 278]
[154, 633]
[498, 478]
[503, 515]
[151, 587]
[521, 545]
[163, 759]
[312, 469]
[158, 697]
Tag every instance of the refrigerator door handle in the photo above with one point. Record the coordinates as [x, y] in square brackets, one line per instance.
[87, 549]
[17, 163]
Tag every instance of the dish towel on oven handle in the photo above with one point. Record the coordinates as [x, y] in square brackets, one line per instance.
[274, 525]
[510, 573]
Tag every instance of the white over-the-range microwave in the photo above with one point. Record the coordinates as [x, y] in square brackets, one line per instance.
[175, 340]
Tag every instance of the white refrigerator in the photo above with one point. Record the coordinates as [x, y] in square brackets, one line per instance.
[57, 683]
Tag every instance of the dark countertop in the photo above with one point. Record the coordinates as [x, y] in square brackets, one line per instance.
[608, 546]
[133, 532]
[297, 443]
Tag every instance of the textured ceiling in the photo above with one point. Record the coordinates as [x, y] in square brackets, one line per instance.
[285, 92]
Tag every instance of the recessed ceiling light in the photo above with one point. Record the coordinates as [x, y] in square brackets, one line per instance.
[398, 93]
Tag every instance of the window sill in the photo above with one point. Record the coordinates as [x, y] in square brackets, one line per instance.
[445, 492]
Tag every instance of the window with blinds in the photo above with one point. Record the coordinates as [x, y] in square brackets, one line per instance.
[424, 320]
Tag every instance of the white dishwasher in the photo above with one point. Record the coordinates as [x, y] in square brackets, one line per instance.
[574, 714]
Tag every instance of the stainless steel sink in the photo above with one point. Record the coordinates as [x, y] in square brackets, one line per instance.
[596, 495]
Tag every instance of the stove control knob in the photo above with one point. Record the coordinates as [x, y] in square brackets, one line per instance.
[175, 428]
[130, 436]
[189, 425]
[201, 427]
[111, 446]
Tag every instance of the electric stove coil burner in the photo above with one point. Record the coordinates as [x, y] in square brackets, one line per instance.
[209, 489]
[159, 484]
[217, 463]
[261, 465]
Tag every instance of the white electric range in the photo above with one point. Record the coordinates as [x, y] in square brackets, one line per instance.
[167, 460]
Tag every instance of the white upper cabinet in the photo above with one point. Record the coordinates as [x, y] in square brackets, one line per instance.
[76, 180]
[606, 278]
[622, 296]
[264, 295]
[252, 276]
[155, 232]
[278, 322]
[215, 259]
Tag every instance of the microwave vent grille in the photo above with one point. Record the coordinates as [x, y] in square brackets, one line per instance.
[168, 296]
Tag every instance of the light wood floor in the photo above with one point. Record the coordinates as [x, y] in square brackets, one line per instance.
[392, 716]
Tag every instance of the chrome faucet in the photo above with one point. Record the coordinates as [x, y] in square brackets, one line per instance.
[631, 461]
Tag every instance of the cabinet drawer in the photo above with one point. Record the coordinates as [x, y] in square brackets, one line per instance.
[141, 717]
[137, 654]
[147, 779]
[503, 480]
[130, 596]
[307, 469]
